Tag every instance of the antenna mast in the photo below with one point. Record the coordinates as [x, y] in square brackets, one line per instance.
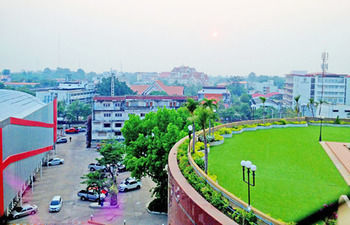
[324, 67]
[112, 82]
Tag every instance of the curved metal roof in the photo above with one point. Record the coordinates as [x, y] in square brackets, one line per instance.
[17, 104]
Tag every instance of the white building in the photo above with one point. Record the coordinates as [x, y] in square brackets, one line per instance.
[217, 93]
[28, 131]
[110, 113]
[68, 92]
[336, 89]
[333, 111]
[263, 87]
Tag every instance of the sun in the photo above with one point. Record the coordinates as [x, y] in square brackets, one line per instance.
[215, 34]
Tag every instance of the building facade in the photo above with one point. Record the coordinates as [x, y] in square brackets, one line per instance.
[27, 133]
[68, 92]
[110, 113]
[335, 88]
[217, 93]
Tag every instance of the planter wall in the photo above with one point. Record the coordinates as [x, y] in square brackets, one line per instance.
[215, 143]
[226, 135]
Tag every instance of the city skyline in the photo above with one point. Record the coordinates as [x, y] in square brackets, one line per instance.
[224, 38]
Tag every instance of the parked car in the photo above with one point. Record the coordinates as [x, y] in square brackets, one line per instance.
[129, 184]
[72, 130]
[97, 166]
[88, 195]
[61, 140]
[121, 167]
[55, 161]
[25, 210]
[80, 129]
[55, 204]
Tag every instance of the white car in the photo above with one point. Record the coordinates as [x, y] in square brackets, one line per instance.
[129, 184]
[55, 204]
[25, 210]
[55, 161]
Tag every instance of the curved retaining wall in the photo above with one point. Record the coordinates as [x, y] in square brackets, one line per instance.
[185, 205]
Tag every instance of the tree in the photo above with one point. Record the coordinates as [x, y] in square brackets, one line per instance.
[61, 108]
[311, 106]
[78, 109]
[2, 85]
[263, 100]
[148, 142]
[209, 103]
[191, 106]
[245, 98]
[112, 152]
[94, 179]
[297, 108]
[120, 88]
[203, 115]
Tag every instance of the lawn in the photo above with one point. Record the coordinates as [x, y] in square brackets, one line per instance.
[294, 174]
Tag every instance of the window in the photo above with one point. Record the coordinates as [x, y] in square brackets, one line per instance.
[107, 115]
[118, 125]
[118, 115]
[335, 110]
[106, 125]
[347, 110]
[106, 104]
[142, 114]
[151, 104]
[118, 133]
[117, 104]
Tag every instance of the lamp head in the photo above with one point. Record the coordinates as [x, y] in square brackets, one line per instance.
[248, 164]
[190, 127]
[242, 163]
[253, 168]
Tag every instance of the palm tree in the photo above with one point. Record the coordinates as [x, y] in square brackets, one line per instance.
[311, 106]
[191, 106]
[263, 100]
[204, 114]
[209, 103]
[297, 108]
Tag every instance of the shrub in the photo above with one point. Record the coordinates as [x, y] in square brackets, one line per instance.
[249, 125]
[264, 124]
[235, 128]
[218, 137]
[209, 138]
[199, 146]
[283, 122]
[337, 120]
[224, 131]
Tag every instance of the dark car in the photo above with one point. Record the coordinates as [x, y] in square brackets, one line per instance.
[121, 167]
[61, 140]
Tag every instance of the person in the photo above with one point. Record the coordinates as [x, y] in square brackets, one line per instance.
[70, 139]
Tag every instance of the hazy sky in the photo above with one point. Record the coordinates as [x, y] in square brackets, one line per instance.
[216, 37]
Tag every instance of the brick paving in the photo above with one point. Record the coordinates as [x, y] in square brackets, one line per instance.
[340, 155]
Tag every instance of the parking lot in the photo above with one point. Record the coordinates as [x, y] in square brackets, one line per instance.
[64, 180]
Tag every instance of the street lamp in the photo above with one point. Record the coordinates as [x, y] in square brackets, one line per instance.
[249, 166]
[320, 138]
[189, 136]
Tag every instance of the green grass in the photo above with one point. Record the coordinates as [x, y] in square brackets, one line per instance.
[294, 174]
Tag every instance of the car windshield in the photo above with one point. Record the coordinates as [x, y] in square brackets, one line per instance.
[54, 202]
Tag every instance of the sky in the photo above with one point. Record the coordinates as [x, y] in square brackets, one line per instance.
[233, 37]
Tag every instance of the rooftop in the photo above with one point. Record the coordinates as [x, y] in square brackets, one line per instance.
[143, 97]
[17, 104]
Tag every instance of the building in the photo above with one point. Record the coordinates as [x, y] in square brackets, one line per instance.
[185, 75]
[273, 99]
[158, 86]
[68, 92]
[21, 84]
[217, 93]
[263, 87]
[110, 113]
[27, 134]
[333, 111]
[336, 89]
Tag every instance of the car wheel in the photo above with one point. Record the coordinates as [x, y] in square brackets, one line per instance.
[32, 213]
[16, 217]
[92, 169]
[125, 189]
[82, 198]
[138, 187]
[104, 170]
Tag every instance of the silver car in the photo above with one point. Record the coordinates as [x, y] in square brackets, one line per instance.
[25, 210]
[55, 161]
[55, 204]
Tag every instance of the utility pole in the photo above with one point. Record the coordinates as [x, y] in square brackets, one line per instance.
[324, 67]
[112, 82]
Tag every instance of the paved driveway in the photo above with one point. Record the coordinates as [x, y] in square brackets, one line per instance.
[65, 180]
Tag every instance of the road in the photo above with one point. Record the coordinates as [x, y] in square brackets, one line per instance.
[65, 180]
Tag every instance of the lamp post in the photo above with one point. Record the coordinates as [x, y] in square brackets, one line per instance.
[250, 167]
[189, 136]
[320, 138]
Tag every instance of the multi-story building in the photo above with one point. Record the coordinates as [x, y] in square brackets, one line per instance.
[263, 87]
[217, 93]
[159, 87]
[68, 91]
[110, 113]
[335, 88]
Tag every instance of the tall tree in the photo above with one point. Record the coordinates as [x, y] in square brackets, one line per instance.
[311, 106]
[120, 88]
[203, 115]
[148, 142]
[263, 100]
[78, 109]
[211, 104]
[297, 108]
[191, 106]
